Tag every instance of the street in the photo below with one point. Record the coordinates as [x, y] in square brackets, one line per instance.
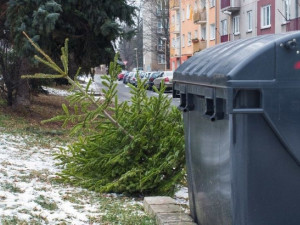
[124, 91]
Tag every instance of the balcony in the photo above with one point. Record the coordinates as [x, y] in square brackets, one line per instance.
[174, 4]
[162, 13]
[198, 45]
[160, 30]
[160, 48]
[293, 24]
[172, 52]
[200, 16]
[230, 5]
[174, 28]
[224, 38]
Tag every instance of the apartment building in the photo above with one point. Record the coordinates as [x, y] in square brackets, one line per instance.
[192, 28]
[247, 18]
[198, 24]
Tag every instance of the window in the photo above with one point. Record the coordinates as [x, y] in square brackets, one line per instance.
[173, 66]
[224, 27]
[196, 34]
[212, 31]
[160, 45]
[236, 25]
[160, 8]
[286, 10]
[173, 19]
[195, 6]
[183, 40]
[249, 20]
[161, 59]
[177, 42]
[189, 39]
[183, 12]
[202, 3]
[212, 3]
[159, 26]
[160, 5]
[188, 12]
[178, 62]
[266, 16]
[203, 33]
[177, 18]
[173, 43]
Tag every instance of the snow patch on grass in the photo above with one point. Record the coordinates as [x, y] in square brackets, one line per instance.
[30, 193]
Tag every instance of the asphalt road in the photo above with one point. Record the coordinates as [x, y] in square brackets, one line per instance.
[124, 91]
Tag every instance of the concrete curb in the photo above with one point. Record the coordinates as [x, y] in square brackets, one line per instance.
[166, 211]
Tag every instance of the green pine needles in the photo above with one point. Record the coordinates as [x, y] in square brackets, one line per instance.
[135, 148]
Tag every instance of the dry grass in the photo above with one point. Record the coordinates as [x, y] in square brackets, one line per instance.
[27, 122]
[42, 107]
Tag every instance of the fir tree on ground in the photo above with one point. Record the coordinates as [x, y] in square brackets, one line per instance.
[135, 148]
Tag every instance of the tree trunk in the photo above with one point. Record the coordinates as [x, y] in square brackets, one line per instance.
[9, 94]
[22, 100]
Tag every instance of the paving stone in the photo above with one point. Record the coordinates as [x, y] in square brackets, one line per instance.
[157, 200]
[168, 208]
[167, 218]
[166, 211]
[180, 223]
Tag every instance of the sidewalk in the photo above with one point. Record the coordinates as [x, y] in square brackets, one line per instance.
[166, 211]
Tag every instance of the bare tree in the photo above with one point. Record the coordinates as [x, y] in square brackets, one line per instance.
[131, 48]
[156, 29]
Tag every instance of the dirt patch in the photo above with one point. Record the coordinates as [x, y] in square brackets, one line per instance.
[42, 107]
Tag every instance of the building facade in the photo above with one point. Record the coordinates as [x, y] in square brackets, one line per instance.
[248, 18]
[198, 24]
[193, 27]
[155, 35]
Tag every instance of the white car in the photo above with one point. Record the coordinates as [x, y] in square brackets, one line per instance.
[167, 78]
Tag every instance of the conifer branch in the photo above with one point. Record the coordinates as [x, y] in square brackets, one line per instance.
[64, 74]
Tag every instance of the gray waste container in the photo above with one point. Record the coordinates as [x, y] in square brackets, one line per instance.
[241, 107]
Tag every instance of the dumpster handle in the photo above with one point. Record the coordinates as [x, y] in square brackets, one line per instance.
[247, 111]
[186, 103]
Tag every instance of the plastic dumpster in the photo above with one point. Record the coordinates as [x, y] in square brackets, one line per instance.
[241, 107]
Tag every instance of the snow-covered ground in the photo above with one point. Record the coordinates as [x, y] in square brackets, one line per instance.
[55, 91]
[93, 88]
[30, 193]
[28, 190]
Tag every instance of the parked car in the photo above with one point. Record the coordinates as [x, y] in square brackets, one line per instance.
[167, 78]
[129, 77]
[134, 77]
[121, 76]
[126, 78]
[145, 76]
[152, 77]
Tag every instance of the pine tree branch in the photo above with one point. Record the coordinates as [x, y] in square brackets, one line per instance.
[64, 74]
[109, 117]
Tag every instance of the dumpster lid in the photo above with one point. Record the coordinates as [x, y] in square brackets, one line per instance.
[243, 59]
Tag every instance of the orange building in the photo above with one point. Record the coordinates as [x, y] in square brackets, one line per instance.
[193, 27]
